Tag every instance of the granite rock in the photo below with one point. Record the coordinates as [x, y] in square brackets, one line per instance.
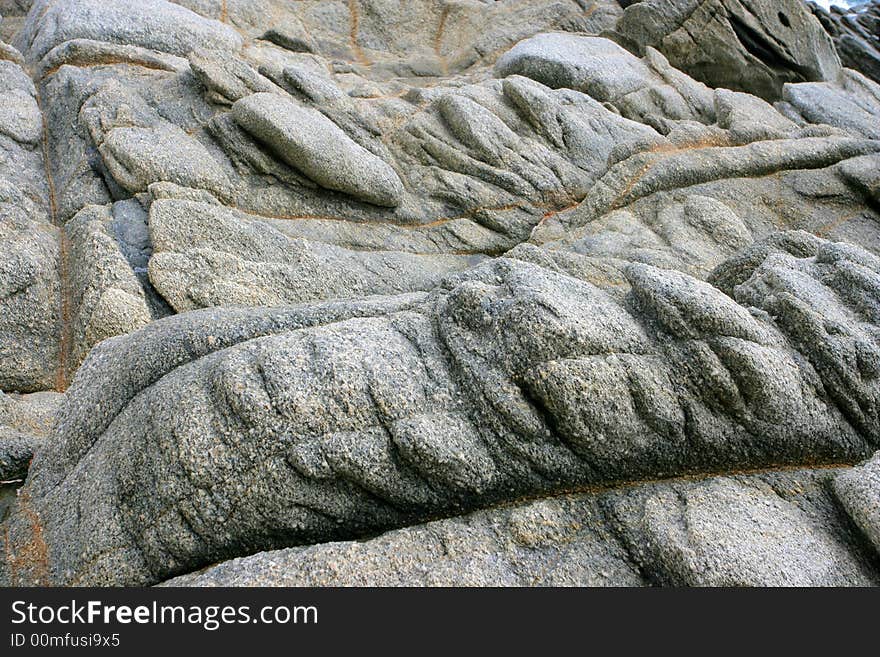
[856, 34]
[337, 419]
[859, 492]
[774, 530]
[576, 292]
[25, 424]
[754, 46]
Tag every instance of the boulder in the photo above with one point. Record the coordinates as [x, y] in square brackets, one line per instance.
[313, 144]
[754, 46]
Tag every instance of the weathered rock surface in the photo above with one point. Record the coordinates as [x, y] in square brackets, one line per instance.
[849, 103]
[780, 529]
[859, 492]
[318, 422]
[856, 35]
[107, 298]
[313, 275]
[774, 529]
[307, 140]
[25, 423]
[153, 24]
[744, 45]
[137, 157]
[205, 255]
[30, 289]
[608, 73]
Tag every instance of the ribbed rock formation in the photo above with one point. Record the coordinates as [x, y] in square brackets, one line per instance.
[519, 292]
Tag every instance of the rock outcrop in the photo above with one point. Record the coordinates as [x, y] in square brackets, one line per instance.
[856, 35]
[512, 293]
[318, 422]
[25, 423]
[778, 529]
[744, 45]
[30, 246]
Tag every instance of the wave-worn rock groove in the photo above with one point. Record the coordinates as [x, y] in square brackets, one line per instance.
[367, 292]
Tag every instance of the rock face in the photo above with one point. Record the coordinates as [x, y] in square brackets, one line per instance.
[857, 490]
[744, 45]
[777, 529]
[30, 286]
[595, 283]
[151, 24]
[856, 35]
[508, 380]
[309, 141]
[25, 423]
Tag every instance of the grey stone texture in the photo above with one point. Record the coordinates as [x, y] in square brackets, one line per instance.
[858, 490]
[856, 35]
[25, 424]
[309, 141]
[530, 292]
[318, 422]
[744, 45]
[779, 529]
[30, 286]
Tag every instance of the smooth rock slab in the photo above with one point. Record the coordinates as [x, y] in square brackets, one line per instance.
[851, 103]
[601, 68]
[206, 255]
[773, 530]
[25, 422]
[553, 542]
[313, 144]
[137, 157]
[577, 62]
